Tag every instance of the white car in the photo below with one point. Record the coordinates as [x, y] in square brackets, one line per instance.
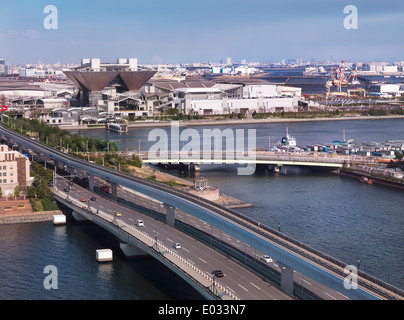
[177, 245]
[266, 258]
[140, 223]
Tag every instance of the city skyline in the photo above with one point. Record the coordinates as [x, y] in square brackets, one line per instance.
[179, 31]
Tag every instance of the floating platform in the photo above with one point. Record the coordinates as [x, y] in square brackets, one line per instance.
[103, 255]
[59, 219]
[117, 127]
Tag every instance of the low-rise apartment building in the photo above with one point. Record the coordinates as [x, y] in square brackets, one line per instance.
[14, 171]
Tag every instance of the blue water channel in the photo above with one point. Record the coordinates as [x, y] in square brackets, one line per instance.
[337, 215]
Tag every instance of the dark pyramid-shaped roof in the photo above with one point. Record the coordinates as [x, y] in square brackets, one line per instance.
[96, 81]
[92, 81]
[134, 80]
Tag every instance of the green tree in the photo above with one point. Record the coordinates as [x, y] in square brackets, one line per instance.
[31, 191]
[17, 190]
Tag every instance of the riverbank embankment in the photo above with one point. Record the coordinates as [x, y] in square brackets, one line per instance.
[19, 210]
[358, 174]
[218, 122]
[43, 216]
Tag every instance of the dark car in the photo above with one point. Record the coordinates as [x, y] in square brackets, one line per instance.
[92, 199]
[218, 273]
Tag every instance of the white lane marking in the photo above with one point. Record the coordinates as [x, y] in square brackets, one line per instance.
[242, 287]
[307, 282]
[340, 294]
[330, 296]
[202, 260]
[185, 249]
[255, 286]
[170, 240]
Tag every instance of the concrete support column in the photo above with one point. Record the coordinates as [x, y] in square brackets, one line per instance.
[91, 183]
[170, 214]
[286, 279]
[78, 217]
[114, 191]
[193, 167]
[131, 251]
[72, 172]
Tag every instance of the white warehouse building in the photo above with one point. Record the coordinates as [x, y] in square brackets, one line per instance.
[235, 96]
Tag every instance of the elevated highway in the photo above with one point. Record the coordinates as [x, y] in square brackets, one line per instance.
[291, 254]
[193, 262]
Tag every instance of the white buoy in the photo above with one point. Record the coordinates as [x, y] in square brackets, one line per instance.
[104, 255]
[59, 219]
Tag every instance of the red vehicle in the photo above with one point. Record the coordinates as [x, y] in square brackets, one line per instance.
[104, 188]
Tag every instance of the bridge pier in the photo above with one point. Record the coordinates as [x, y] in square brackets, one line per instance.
[131, 251]
[90, 182]
[114, 191]
[193, 167]
[72, 173]
[170, 214]
[286, 279]
[78, 217]
[55, 166]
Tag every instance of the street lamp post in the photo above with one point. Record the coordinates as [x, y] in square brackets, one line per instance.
[156, 241]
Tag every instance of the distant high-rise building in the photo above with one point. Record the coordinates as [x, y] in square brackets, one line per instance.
[3, 67]
[243, 62]
[228, 61]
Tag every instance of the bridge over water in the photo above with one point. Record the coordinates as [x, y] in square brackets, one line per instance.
[257, 158]
[291, 254]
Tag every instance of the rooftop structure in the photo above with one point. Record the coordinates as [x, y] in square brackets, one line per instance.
[93, 76]
[16, 88]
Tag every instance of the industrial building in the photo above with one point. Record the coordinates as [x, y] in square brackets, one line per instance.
[92, 76]
[17, 88]
[386, 89]
[74, 116]
[220, 96]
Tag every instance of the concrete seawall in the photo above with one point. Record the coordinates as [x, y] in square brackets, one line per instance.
[214, 122]
[359, 174]
[9, 218]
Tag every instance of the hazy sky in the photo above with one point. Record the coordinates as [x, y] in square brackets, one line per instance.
[201, 31]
